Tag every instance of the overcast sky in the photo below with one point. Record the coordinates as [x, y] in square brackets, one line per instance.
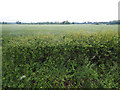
[58, 10]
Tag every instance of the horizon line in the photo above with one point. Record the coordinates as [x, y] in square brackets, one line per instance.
[54, 21]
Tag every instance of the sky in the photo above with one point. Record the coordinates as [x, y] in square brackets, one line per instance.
[58, 10]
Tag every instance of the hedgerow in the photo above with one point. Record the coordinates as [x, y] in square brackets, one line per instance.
[74, 60]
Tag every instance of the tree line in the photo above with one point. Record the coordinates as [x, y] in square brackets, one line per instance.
[64, 22]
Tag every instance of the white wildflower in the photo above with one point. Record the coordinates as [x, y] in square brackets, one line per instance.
[22, 77]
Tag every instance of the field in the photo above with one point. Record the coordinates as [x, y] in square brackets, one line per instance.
[64, 56]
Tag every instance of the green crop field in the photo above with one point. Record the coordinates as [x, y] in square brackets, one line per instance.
[60, 56]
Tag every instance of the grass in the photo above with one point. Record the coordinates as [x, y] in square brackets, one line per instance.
[49, 56]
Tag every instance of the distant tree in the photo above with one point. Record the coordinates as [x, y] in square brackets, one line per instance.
[18, 22]
[4, 22]
[50, 22]
[114, 22]
[118, 21]
[97, 23]
[84, 22]
[65, 22]
[46, 22]
[73, 22]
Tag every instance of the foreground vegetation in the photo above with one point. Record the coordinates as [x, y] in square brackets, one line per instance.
[52, 56]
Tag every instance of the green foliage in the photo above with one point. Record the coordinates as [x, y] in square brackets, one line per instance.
[72, 60]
